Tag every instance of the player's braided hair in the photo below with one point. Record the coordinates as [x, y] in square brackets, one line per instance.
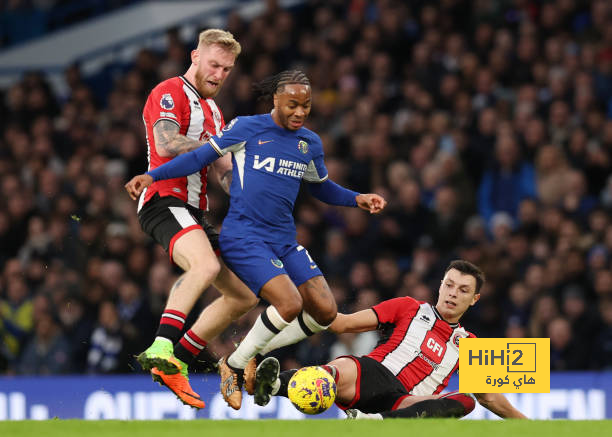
[270, 85]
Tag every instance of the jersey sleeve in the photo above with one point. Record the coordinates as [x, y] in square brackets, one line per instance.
[168, 102]
[390, 311]
[233, 136]
[330, 192]
[185, 164]
[316, 171]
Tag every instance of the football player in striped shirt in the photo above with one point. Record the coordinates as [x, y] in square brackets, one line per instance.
[179, 115]
[404, 375]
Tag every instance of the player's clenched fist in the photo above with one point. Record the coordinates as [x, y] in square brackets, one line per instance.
[138, 183]
[371, 202]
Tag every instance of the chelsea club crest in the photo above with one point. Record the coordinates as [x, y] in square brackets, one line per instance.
[277, 263]
[303, 147]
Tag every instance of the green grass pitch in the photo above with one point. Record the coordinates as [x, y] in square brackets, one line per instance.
[306, 428]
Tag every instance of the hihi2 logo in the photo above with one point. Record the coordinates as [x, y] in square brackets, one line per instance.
[504, 365]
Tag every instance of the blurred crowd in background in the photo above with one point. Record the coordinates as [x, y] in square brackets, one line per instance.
[486, 124]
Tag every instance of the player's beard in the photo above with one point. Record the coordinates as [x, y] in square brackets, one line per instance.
[203, 88]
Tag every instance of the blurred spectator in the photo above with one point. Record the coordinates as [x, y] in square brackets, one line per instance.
[48, 352]
[602, 351]
[77, 328]
[509, 181]
[566, 350]
[16, 319]
[106, 351]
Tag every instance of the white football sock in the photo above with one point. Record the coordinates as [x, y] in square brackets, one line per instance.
[301, 327]
[267, 325]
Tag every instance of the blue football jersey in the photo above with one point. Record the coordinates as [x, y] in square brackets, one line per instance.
[269, 164]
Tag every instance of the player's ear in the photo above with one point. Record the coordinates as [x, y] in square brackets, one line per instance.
[195, 57]
[275, 97]
[475, 298]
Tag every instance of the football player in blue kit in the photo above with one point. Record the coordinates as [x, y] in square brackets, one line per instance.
[271, 154]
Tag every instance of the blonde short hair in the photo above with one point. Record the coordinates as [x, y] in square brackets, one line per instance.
[219, 37]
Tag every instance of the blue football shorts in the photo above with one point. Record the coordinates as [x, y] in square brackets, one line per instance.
[255, 261]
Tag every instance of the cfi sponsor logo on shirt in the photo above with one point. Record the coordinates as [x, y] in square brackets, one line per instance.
[303, 147]
[166, 101]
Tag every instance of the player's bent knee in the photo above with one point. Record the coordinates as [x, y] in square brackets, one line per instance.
[290, 307]
[242, 305]
[326, 314]
[248, 302]
[205, 272]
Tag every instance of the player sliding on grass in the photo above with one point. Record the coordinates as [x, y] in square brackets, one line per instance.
[271, 154]
[403, 376]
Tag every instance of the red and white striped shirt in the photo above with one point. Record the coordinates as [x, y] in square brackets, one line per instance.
[178, 101]
[423, 349]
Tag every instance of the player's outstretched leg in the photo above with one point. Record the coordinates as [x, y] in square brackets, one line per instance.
[355, 414]
[179, 384]
[450, 405]
[266, 376]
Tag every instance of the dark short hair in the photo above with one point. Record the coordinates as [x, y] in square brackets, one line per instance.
[467, 268]
[270, 85]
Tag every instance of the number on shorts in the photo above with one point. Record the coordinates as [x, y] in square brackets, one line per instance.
[300, 248]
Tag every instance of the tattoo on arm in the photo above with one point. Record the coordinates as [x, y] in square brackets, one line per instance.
[169, 142]
[226, 181]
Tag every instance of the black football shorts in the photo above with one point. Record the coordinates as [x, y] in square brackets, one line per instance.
[376, 388]
[167, 218]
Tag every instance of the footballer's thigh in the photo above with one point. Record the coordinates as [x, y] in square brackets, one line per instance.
[193, 253]
[183, 232]
[281, 292]
[347, 379]
[239, 297]
[257, 264]
[318, 299]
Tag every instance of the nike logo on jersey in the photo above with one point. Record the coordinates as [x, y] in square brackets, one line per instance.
[312, 267]
[260, 142]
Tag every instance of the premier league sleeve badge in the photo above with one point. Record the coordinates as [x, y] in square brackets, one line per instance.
[166, 102]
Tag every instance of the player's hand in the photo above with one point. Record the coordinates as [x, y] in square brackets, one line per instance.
[137, 184]
[371, 202]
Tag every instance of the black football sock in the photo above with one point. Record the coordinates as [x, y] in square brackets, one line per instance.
[284, 378]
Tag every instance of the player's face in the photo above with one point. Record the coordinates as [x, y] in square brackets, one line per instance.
[292, 105]
[214, 63]
[457, 293]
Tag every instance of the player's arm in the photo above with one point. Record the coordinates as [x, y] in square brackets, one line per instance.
[168, 141]
[361, 321]
[223, 168]
[183, 165]
[498, 404]
[330, 192]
